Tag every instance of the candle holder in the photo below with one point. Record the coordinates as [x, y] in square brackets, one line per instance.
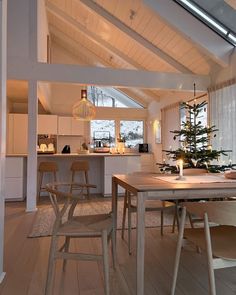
[180, 164]
[180, 178]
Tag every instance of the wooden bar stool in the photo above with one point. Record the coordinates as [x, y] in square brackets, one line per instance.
[80, 166]
[46, 167]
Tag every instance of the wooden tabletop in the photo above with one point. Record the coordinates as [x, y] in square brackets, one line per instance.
[164, 189]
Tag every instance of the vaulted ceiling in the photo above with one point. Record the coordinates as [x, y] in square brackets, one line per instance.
[125, 35]
[150, 35]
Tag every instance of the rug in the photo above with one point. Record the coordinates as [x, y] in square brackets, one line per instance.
[44, 217]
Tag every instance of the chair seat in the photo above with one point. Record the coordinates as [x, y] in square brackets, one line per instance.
[88, 225]
[222, 238]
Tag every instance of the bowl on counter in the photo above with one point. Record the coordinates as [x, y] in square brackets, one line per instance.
[79, 151]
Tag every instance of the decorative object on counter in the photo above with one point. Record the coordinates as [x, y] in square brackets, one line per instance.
[195, 140]
[143, 148]
[66, 149]
[46, 144]
[101, 141]
[83, 149]
[120, 145]
[84, 110]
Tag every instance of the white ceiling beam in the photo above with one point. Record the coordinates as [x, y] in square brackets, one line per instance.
[95, 8]
[189, 26]
[21, 69]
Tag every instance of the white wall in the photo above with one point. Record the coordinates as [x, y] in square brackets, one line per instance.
[226, 73]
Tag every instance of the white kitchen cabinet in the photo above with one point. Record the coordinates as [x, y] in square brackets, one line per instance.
[118, 165]
[47, 124]
[15, 178]
[17, 134]
[77, 127]
[147, 162]
[70, 126]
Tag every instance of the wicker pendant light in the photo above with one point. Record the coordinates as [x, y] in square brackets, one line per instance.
[84, 110]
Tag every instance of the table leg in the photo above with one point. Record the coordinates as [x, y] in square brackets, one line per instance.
[114, 205]
[141, 197]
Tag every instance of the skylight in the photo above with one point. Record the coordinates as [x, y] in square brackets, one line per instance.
[110, 97]
[210, 19]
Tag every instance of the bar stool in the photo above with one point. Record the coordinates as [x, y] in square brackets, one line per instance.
[46, 167]
[80, 166]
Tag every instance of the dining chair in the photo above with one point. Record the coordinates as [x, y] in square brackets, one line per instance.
[67, 225]
[81, 167]
[194, 219]
[217, 240]
[151, 206]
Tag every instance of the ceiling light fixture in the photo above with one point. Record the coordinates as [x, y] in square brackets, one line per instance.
[83, 110]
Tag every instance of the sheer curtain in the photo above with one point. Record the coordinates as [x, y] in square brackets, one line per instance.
[170, 117]
[223, 116]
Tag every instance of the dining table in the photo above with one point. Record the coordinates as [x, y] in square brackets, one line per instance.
[165, 187]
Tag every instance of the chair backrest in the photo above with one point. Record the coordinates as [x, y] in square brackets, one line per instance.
[62, 191]
[80, 166]
[220, 212]
[48, 167]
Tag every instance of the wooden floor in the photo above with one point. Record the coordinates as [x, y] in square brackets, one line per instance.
[26, 265]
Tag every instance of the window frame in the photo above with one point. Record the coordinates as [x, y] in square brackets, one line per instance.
[117, 127]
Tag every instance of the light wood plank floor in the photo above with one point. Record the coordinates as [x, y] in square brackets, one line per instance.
[26, 265]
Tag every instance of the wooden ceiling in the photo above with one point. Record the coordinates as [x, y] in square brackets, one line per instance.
[125, 35]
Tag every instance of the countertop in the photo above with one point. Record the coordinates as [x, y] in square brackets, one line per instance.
[88, 155]
[59, 155]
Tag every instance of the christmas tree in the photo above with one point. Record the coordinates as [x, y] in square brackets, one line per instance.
[195, 143]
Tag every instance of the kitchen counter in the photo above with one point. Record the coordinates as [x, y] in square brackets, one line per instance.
[88, 155]
[101, 167]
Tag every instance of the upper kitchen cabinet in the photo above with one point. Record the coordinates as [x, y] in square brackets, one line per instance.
[47, 124]
[70, 126]
[17, 134]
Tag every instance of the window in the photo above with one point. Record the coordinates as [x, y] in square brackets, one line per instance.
[103, 131]
[132, 132]
[110, 97]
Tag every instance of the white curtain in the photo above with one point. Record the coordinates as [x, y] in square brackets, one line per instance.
[170, 117]
[223, 116]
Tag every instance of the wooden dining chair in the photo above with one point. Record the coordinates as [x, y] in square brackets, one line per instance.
[219, 241]
[69, 226]
[151, 206]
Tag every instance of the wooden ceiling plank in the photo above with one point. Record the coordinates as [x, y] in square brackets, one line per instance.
[181, 20]
[134, 35]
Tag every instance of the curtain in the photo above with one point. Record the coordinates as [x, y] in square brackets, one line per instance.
[170, 117]
[223, 116]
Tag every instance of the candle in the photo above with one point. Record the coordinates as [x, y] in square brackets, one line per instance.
[181, 163]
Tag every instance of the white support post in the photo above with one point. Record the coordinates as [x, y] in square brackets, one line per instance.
[3, 74]
[32, 144]
[32, 114]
